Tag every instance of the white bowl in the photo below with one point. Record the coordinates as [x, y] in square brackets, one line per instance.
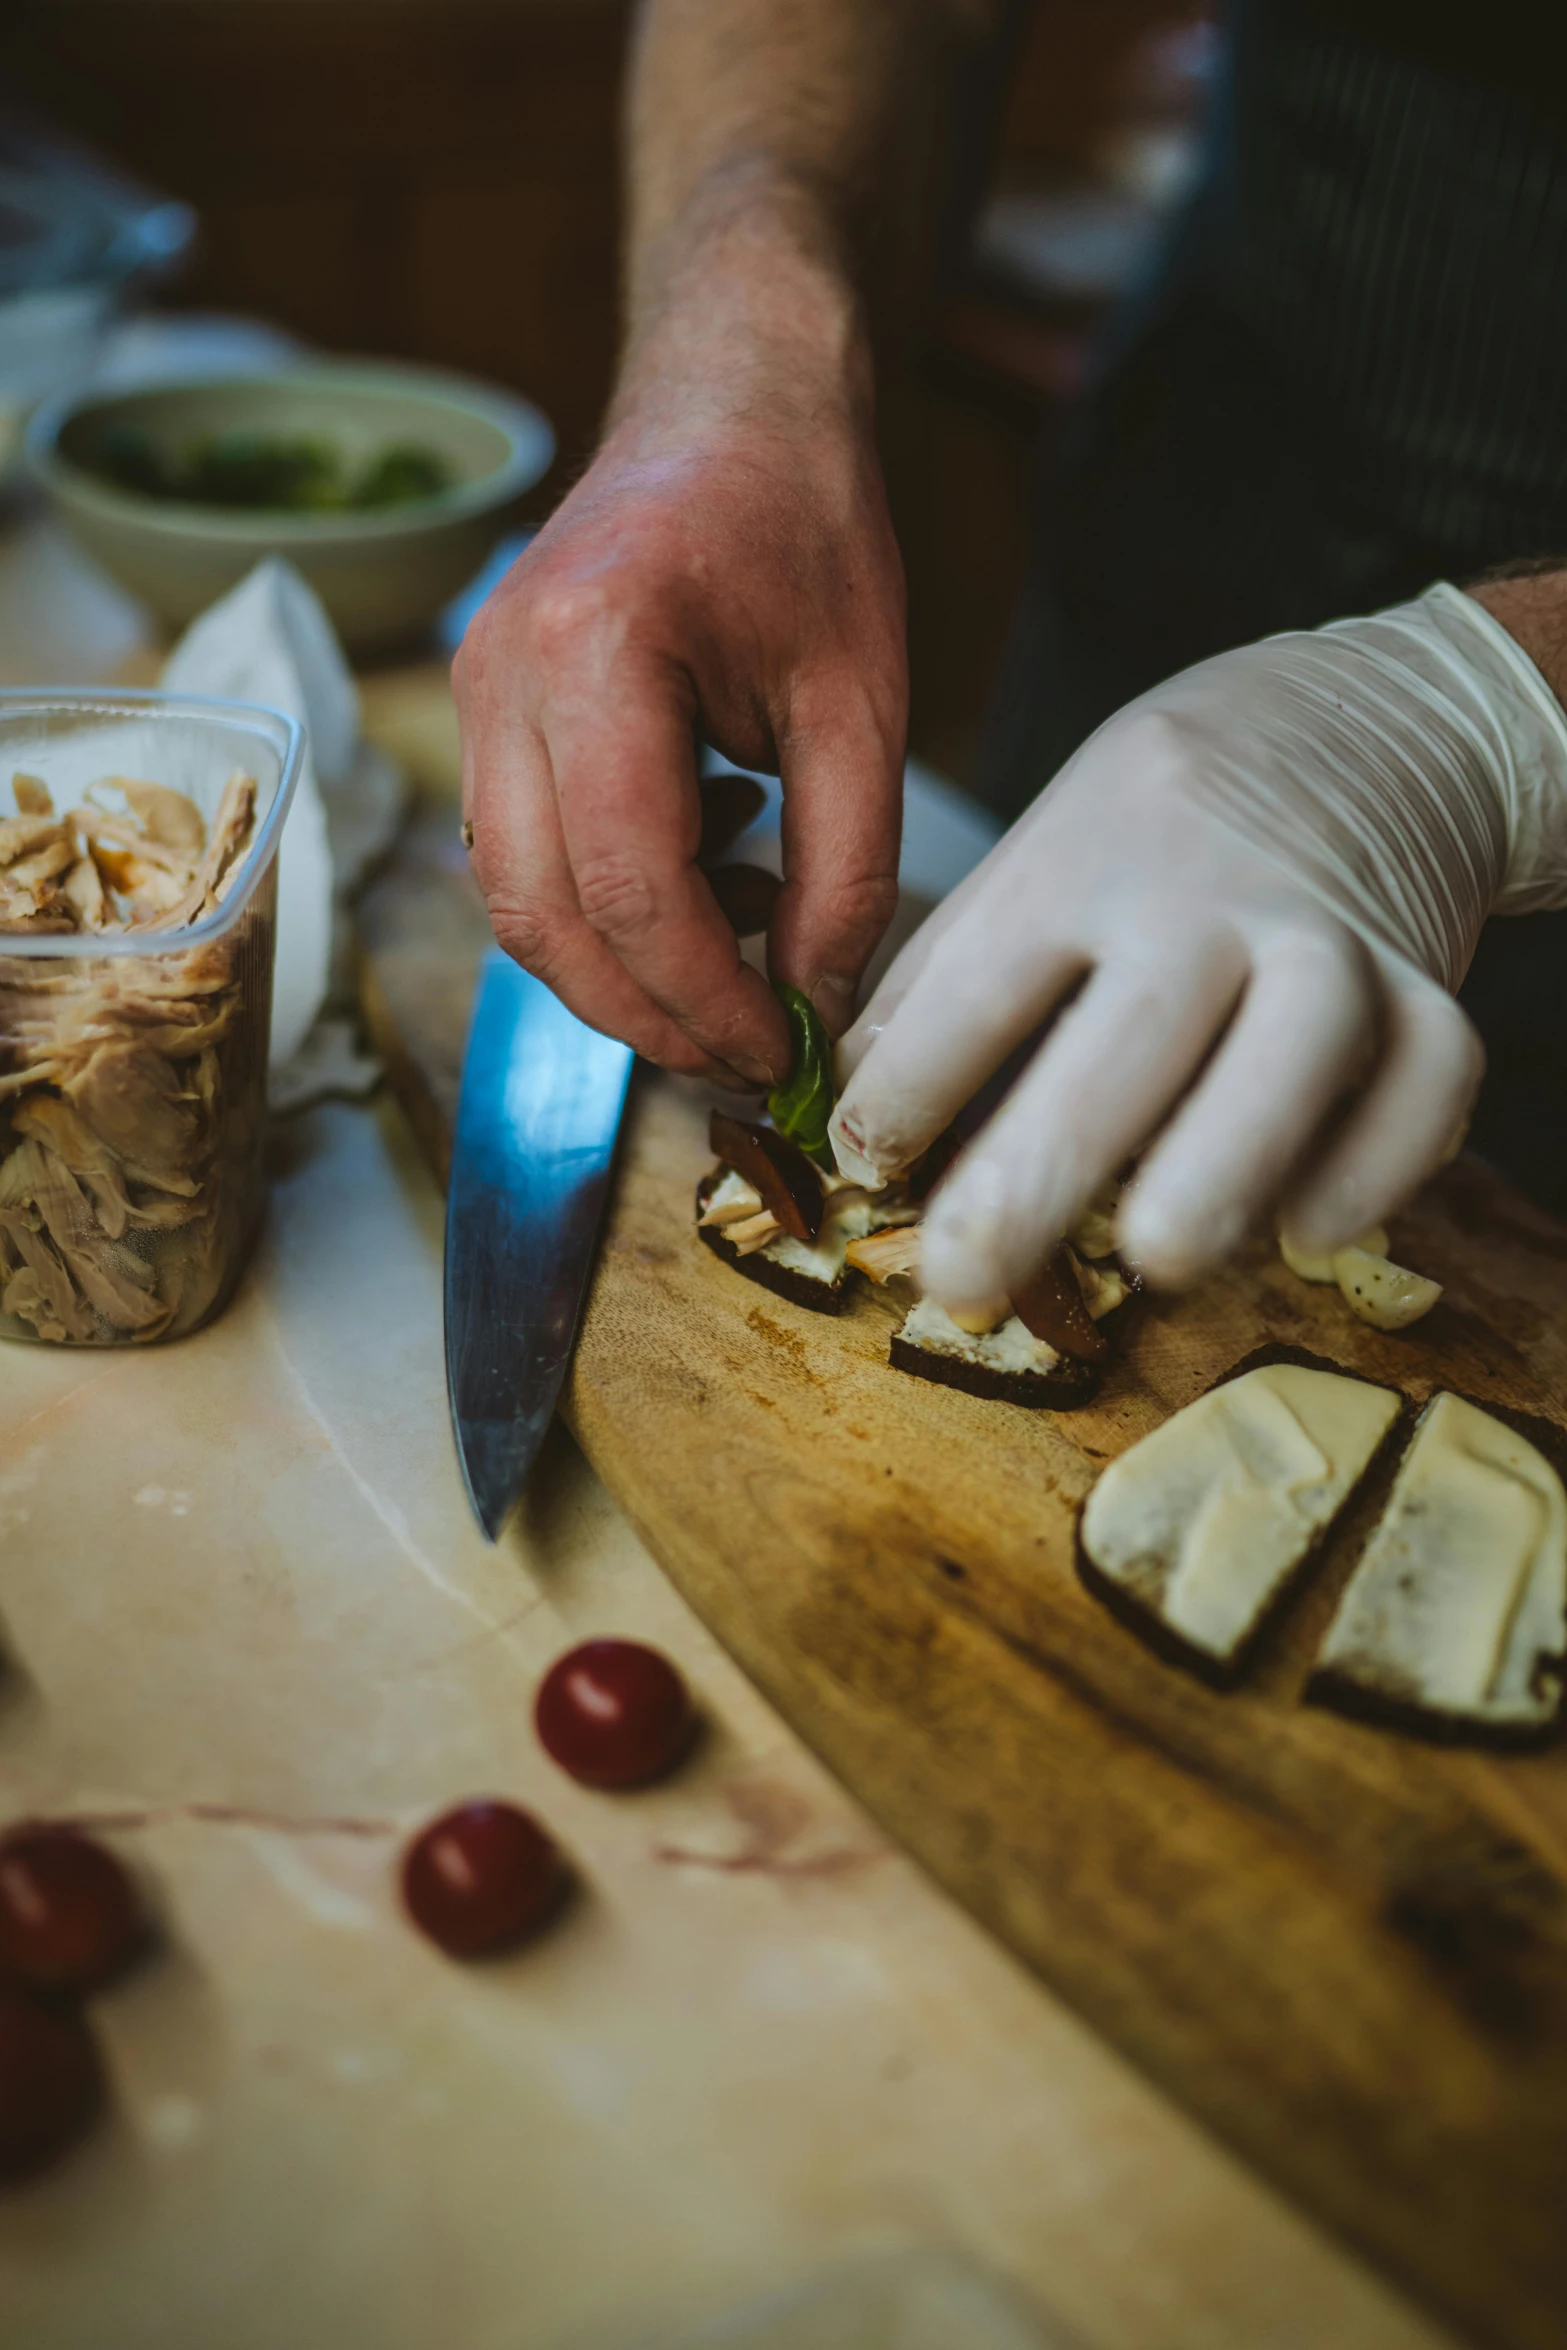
[383, 574]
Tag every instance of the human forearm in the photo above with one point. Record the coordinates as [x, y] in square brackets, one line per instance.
[780, 154]
[726, 566]
[1530, 601]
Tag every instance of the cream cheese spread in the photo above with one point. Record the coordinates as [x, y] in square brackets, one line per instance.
[823, 1258]
[1459, 1605]
[1010, 1347]
[1204, 1521]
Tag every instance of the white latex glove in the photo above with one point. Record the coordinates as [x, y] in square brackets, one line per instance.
[1266, 877]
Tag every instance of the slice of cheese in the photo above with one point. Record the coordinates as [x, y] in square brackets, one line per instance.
[1459, 1606]
[1204, 1521]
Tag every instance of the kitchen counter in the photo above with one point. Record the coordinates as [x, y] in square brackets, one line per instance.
[248, 1627]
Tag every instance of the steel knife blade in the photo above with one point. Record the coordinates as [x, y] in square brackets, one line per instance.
[537, 1119]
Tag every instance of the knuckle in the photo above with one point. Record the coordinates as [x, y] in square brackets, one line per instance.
[563, 612]
[860, 906]
[526, 934]
[1329, 971]
[616, 894]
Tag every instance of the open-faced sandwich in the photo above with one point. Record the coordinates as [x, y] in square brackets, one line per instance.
[775, 1213]
[777, 1210]
[1454, 1622]
[1194, 1536]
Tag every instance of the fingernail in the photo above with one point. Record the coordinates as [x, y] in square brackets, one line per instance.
[851, 1155]
[753, 1072]
[834, 1000]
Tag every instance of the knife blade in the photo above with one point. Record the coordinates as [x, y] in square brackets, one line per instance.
[537, 1119]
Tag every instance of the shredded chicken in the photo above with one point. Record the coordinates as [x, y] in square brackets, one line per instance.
[131, 1086]
[892, 1254]
[753, 1233]
[743, 1201]
[32, 796]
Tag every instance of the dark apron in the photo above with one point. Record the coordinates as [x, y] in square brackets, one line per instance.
[1348, 378]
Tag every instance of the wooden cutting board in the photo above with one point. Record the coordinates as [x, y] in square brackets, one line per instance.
[1343, 1949]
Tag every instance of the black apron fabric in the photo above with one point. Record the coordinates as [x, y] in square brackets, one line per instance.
[1348, 379]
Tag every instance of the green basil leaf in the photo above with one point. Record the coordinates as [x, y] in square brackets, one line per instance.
[802, 1105]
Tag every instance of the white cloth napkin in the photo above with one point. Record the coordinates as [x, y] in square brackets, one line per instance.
[269, 640]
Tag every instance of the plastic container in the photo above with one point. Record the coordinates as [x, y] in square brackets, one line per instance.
[133, 1070]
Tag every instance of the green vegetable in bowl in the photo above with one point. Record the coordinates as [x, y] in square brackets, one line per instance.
[130, 458]
[802, 1105]
[271, 472]
[400, 475]
[246, 468]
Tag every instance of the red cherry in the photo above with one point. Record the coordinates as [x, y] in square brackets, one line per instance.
[51, 2083]
[614, 1713]
[69, 1916]
[481, 1878]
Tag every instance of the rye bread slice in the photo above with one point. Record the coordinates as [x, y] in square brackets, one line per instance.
[1160, 1638]
[1382, 1710]
[802, 1289]
[1059, 1390]
[1065, 1388]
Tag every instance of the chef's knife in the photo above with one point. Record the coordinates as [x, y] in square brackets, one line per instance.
[536, 1124]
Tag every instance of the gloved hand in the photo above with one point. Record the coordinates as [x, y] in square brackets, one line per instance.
[1265, 877]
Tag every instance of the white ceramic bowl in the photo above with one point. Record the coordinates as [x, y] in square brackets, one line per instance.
[383, 574]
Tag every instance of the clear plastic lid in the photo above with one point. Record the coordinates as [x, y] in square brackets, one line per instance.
[73, 739]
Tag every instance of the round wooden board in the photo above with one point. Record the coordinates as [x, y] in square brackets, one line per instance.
[1345, 1949]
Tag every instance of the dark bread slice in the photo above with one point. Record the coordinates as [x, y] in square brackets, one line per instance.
[817, 1297]
[1060, 1390]
[1336, 1693]
[1219, 1672]
[1069, 1385]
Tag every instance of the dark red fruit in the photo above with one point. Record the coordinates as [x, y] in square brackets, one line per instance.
[614, 1714]
[481, 1878]
[51, 2083]
[69, 1916]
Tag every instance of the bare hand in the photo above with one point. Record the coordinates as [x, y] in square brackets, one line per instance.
[726, 570]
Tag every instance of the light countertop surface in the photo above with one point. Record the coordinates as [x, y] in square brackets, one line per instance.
[248, 1626]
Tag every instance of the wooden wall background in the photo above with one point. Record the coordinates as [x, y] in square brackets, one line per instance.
[438, 179]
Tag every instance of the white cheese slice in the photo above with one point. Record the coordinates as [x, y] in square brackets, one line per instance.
[1459, 1605]
[1204, 1521]
[1011, 1347]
